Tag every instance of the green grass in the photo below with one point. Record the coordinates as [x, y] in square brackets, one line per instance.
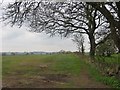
[67, 64]
[114, 59]
[0, 68]
[109, 61]
[111, 81]
[28, 65]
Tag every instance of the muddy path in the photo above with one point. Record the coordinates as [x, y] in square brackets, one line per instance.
[53, 81]
[86, 81]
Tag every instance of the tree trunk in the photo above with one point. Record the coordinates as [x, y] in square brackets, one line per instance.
[92, 46]
[82, 49]
[113, 23]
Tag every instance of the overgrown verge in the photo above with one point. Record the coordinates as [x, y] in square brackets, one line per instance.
[98, 76]
[104, 70]
[109, 66]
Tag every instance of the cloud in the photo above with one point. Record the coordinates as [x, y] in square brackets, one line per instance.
[19, 39]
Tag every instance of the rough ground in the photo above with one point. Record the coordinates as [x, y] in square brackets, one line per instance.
[53, 81]
[85, 81]
[35, 73]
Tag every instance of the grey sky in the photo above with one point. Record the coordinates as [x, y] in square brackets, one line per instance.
[19, 39]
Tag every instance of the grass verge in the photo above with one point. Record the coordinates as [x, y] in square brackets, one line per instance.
[97, 75]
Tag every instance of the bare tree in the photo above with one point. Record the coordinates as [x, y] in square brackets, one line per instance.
[64, 18]
[111, 10]
[79, 40]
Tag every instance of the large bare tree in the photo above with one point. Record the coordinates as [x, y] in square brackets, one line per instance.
[64, 18]
[111, 10]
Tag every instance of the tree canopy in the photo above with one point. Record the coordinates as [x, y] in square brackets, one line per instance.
[111, 11]
[67, 18]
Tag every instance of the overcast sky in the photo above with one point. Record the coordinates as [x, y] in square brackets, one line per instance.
[20, 39]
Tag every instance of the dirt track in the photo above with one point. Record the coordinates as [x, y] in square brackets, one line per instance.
[53, 81]
[85, 81]
[46, 78]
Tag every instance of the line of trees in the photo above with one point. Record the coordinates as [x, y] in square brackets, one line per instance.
[98, 20]
[111, 11]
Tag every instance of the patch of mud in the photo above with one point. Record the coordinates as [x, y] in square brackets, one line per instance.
[32, 82]
[25, 64]
[38, 81]
[56, 77]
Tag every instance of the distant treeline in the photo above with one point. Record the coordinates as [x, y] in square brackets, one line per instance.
[36, 53]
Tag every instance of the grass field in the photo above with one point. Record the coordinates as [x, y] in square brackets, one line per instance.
[52, 71]
[39, 66]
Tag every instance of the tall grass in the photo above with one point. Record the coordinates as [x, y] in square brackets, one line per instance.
[102, 64]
